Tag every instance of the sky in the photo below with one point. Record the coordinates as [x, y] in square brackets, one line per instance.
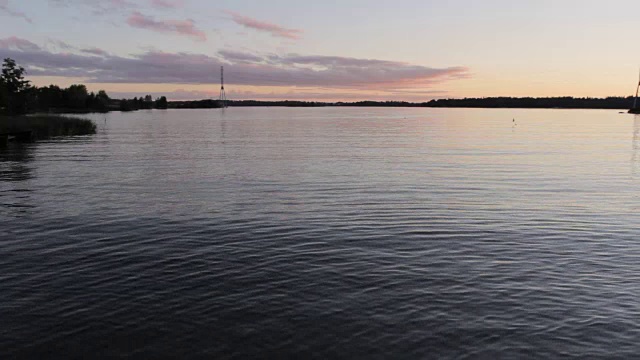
[346, 50]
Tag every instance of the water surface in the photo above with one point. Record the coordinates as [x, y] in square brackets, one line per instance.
[326, 233]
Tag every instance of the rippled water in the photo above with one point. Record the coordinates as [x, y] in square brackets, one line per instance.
[327, 233]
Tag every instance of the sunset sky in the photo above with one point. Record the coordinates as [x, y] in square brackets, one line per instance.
[413, 50]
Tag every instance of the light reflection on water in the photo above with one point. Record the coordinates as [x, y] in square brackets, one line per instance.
[347, 232]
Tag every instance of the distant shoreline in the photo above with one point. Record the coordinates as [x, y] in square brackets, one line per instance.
[28, 99]
[609, 103]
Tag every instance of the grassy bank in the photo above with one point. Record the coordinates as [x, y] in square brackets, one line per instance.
[46, 126]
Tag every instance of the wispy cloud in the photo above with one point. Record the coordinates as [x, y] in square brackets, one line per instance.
[5, 8]
[273, 29]
[372, 77]
[59, 44]
[180, 27]
[167, 4]
[16, 43]
[94, 51]
[341, 72]
[240, 57]
[103, 7]
[120, 3]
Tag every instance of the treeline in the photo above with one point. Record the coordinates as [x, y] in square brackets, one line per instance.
[75, 98]
[196, 104]
[382, 104]
[495, 102]
[19, 96]
[212, 104]
[566, 102]
[286, 103]
[141, 103]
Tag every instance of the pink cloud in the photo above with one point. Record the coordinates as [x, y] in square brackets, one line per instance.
[95, 51]
[313, 76]
[4, 7]
[167, 4]
[100, 8]
[66, 47]
[273, 29]
[241, 57]
[181, 27]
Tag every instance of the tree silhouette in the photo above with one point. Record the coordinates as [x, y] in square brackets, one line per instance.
[161, 103]
[77, 96]
[14, 88]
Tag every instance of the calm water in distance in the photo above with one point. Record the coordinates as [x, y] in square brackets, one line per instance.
[325, 233]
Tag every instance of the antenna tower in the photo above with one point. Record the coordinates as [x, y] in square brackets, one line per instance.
[223, 94]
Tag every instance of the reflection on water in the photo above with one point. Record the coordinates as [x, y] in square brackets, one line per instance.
[223, 126]
[635, 161]
[14, 162]
[330, 232]
[15, 171]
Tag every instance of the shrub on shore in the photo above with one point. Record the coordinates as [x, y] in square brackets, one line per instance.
[47, 126]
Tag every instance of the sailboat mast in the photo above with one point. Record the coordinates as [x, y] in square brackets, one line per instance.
[635, 101]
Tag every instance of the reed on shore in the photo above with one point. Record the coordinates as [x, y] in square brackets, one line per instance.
[46, 126]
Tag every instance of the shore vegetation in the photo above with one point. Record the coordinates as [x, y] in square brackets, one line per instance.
[41, 127]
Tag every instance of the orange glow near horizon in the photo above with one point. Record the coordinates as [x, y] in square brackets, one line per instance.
[404, 50]
[480, 86]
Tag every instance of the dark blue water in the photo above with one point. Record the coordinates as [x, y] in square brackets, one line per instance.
[325, 233]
